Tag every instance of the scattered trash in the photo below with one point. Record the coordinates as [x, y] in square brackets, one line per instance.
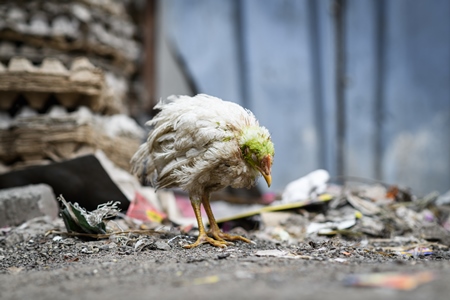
[331, 228]
[412, 251]
[143, 210]
[443, 199]
[78, 220]
[342, 225]
[161, 245]
[365, 207]
[275, 253]
[397, 281]
[153, 244]
[417, 251]
[141, 244]
[57, 238]
[309, 186]
[280, 254]
[228, 211]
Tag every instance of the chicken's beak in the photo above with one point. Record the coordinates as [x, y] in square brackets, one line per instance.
[268, 179]
[265, 169]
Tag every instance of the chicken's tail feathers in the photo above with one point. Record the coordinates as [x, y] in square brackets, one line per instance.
[141, 164]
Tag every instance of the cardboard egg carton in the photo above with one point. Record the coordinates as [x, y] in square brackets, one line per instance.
[43, 138]
[36, 54]
[100, 28]
[80, 85]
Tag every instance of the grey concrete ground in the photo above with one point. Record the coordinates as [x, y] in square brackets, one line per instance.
[33, 266]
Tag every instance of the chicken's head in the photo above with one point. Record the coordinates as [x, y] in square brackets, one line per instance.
[258, 150]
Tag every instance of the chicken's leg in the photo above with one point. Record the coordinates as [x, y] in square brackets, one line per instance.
[202, 236]
[214, 230]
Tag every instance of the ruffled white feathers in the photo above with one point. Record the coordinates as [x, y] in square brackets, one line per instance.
[194, 144]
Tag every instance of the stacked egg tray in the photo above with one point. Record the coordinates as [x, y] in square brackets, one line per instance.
[32, 134]
[41, 139]
[101, 29]
[22, 83]
[66, 57]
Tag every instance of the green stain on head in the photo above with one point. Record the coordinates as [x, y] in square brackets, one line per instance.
[255, 144]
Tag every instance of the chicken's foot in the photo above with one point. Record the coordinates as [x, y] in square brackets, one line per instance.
[214, 236]
[203, 236]
[214, 230]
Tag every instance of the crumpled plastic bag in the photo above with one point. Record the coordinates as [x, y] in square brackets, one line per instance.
[77, 219]
[306, 187]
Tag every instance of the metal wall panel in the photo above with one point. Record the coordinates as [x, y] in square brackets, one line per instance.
[416, 116]
[205, 35]
[280, 82]
[359, 87]
[362, 38]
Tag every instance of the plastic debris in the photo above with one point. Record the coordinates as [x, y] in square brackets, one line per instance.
[354, 211]
[280, 254]
[306, 187]
[444, 199]
[398, 281]
[273, 253]
[328, 228]
[77, 219]
[229, 212]
[415, 252]
[143, 210]
[365, 207]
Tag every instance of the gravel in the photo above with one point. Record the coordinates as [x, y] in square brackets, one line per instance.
[36, 266]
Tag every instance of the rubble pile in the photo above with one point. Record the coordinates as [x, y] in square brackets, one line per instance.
[380, 215]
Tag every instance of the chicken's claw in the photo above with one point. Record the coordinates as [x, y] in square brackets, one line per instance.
[204, 238]
[214, 236]
[221, 236]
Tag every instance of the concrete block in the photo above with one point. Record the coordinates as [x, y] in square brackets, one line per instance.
[20, 204]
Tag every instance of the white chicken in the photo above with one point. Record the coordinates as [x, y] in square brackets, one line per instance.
[202, 144]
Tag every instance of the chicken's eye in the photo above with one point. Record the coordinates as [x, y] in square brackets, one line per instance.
[227, 165]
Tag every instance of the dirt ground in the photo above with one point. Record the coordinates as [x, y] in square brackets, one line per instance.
[34, 266]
